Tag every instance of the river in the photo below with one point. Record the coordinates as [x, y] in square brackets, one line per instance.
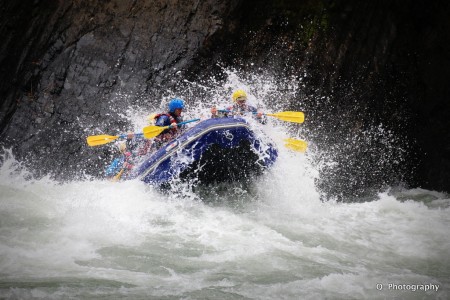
[274, 239]
[95, 239]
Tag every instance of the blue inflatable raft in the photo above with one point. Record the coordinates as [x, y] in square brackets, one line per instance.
[213, 151]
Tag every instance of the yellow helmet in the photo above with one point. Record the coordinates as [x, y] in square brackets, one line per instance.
[239, 94]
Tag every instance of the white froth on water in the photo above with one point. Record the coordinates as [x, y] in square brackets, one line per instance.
[97, 238]
[274, 240]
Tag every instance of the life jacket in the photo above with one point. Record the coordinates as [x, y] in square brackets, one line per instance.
[118, 165]
[241, 110]
[172, 119]
[173, 131]
[114, 167]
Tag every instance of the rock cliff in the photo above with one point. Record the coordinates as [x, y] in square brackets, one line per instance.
[372, 75]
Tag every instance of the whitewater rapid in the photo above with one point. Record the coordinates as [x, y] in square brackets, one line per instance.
[274, 240]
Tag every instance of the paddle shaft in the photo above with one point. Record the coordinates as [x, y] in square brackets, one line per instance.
[185, 122]
[125, 135]
[154, 130]
[289, 116]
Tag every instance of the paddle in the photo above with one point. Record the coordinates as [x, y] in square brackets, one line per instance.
[153, 131]
[149, 132]
[289, 116]
[118, 175]
[296, 145]
[96, 140]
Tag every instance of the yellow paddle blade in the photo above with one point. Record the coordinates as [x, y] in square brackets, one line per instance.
[290, 116]
[96, 140]
[296, 145]
[117, 176]
[152, 131]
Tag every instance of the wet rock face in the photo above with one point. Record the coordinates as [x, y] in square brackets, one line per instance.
[374, 91]
[72, 68]
[392, 55]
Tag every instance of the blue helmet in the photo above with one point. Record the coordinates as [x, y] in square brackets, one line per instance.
[175, 104]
